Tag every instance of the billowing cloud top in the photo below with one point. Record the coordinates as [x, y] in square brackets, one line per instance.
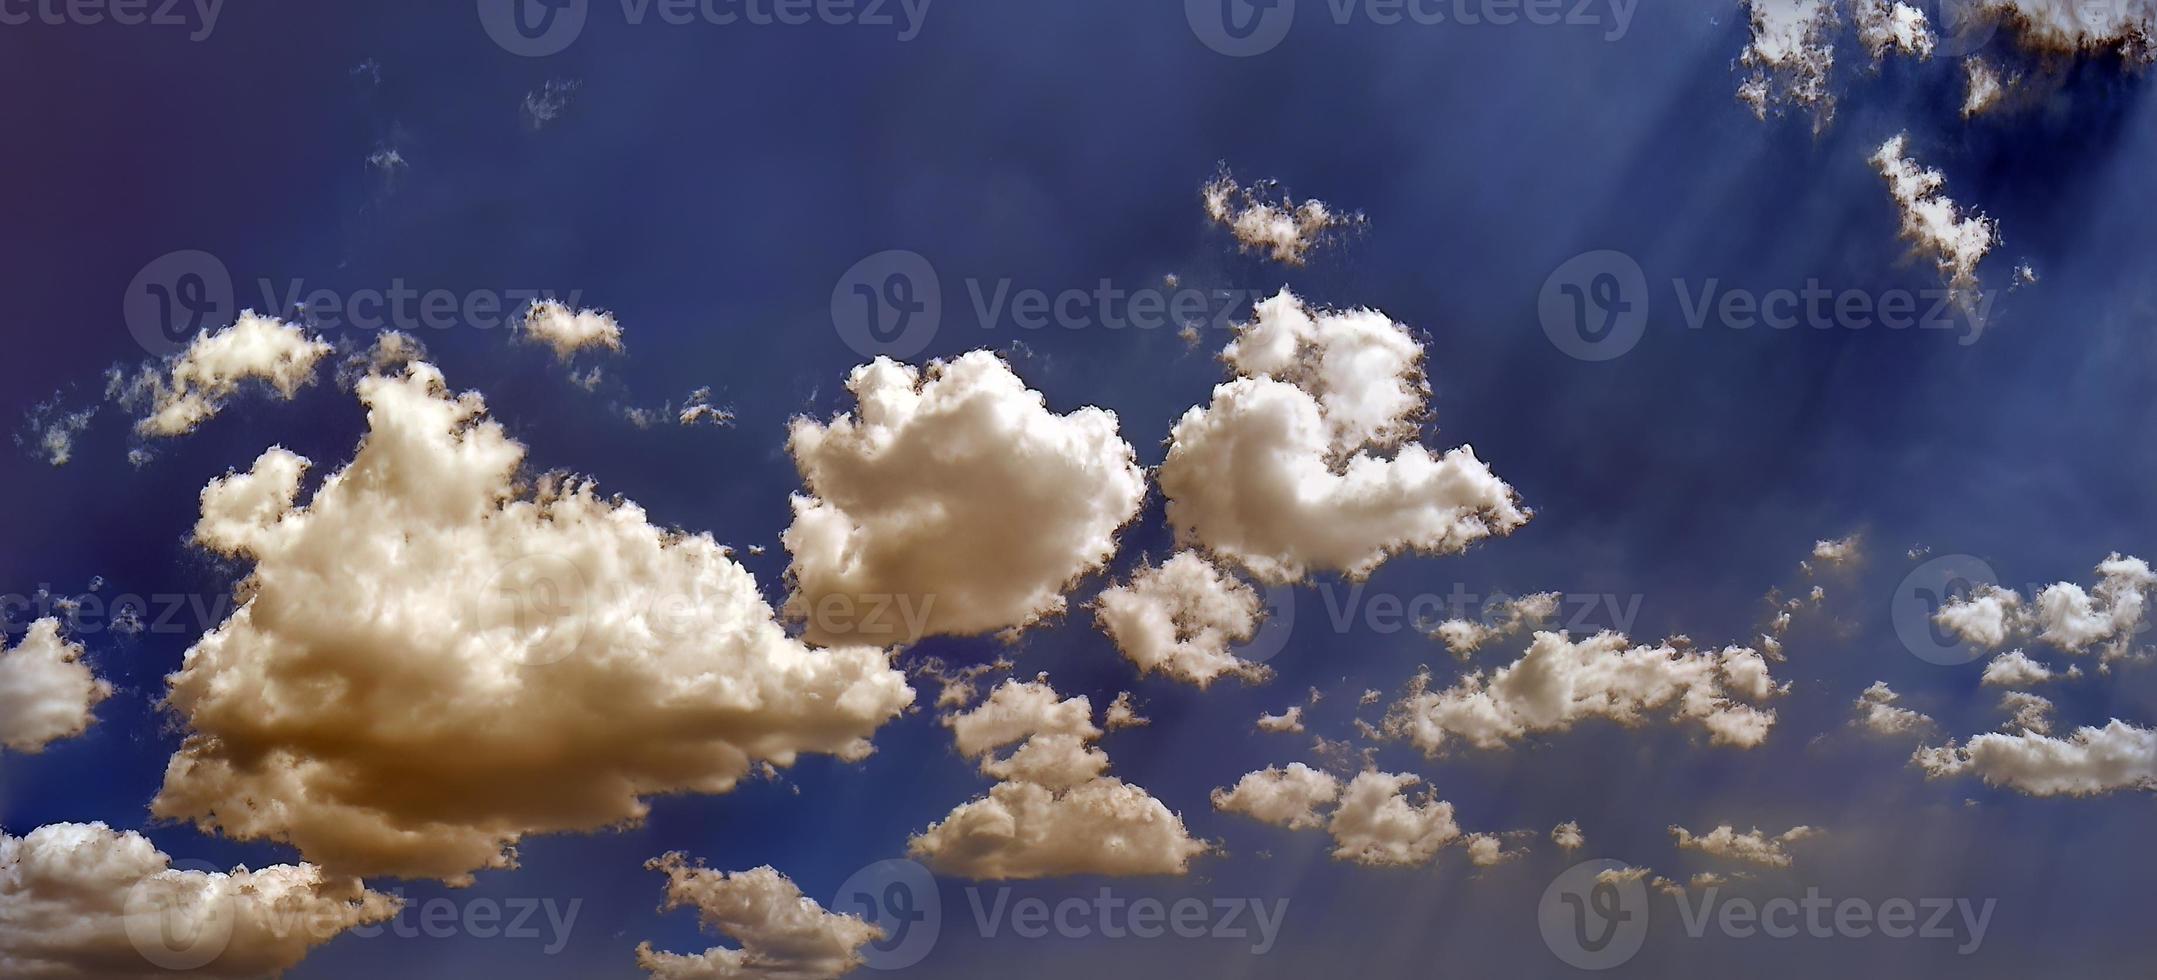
[432, 661]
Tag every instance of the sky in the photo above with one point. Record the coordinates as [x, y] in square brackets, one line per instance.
[726, 200]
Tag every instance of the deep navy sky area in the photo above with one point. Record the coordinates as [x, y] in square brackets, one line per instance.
[711, 185]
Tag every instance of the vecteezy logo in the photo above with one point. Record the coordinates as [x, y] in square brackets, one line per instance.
[179, 920]
[1593, 920]
[533, 28]
[1595, 306]
[900, 897]
[1924, 592]
[537, 609]
[1240, 28]
[176, 296]
[888, 304]
[1965, 26]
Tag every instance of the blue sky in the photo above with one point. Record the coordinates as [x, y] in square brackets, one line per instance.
[712, 185]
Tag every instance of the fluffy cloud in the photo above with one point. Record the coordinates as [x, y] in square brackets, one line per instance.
[1559, 682]
[190, 387]
[1932, 222]
[1378, 825]
[1290, 721]
[1291, 797]
[1982, 86]
[1123, 713]
[1281, 472]
[433, 659]
[1790, 57]
[2123, 27]
[2104, 618]
[1752, 846]
[1504, 618]
[1284, 229]
[1054, 811]
[783, 935]
[2089, 762]
[1878, 713]
[1183, 618]
[2027, 711]
[567, 331]
[2015, 669]
[1567, 836]
[46, 691]
[951, 502]
[82, 902]
[1841, 551]
[1890, 25]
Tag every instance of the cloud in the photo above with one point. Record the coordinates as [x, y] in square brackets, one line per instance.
[1377, 825]
[567, 331]
[1790, 56]
[1488, 850]
[2090, 762]
[1840, 551]
[783, 935]
[192, 386]
[1284, 229]
[2104, 618]
[1982, 86]
[81, 902]
[1280, 473]
[2122, 27]
[1123, 713]
[1285, 722]
[1878, 713]
[1559, 682]
[46, 692]
[2027, 711]
[1183, 618]
[1884, 26]
[1567, 836]
[1506, 617]
[1752, 846]
[2015, 669]
[50, 431]
[435, 656]
[1932, 222]
[1291, 797]
[953, 494]
[1054, 811]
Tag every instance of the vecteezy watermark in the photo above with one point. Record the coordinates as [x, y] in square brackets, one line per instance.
[1968, 25]
[1353, 607]
[160, 613]
[197, 17]
[1596, 916]
[904, 899]
[180, 294]
[539, 920]
[892, 304]
[1242, 28]
[537, 28]
[1596, 306]
[1959, 920]
[1931, 587]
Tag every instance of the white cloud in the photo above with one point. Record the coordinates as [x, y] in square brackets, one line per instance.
[1503, 618]
[50, 431]
[1982, 87]
[1054, 812]
[567, 331]
[81, 902]
[190, 387]
[1285, 722]
[1567, 836]
[435, 656]
[1878, 713]
[2089, 762]
[2124, 27]
[1183, 618]
[2104, 618]
[953, 497]
[1559, 682]
[1280, 473]
[1292, 797]
[1376, 824]
[1123, 713]
[1488, 850]
[2027, 711]
[783, 935]
[1284, 229]
[1839, 551]
[1885, 25]
[1790, 56]
[46, 692]
[2015, 669]
[1932, 222]
[1753, 846]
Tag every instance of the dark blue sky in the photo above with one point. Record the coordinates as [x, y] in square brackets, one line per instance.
[710, 185]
